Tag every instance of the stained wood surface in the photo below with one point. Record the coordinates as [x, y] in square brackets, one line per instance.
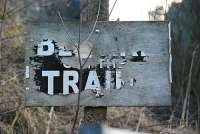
[152, 87]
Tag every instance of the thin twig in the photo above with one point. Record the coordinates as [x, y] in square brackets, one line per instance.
[140, 119]
[95, 23]
[4, 9]
[112, 8]
[13, 122]
[188, 90]
[11, 111]
[88, 57]
[15, 10]
[82, 65]
[68, 34]
[79, 43]
[80, 82]
[6, 101]
[50, 120]
[2, 23]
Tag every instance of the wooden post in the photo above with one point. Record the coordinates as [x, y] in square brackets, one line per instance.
[89, 9]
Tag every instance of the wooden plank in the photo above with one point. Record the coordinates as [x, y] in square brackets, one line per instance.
[151, 85]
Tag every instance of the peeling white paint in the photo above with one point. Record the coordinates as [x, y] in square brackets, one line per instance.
[92, 81]
[108, 80]
[50, 75]
[49, 51]
[27, 72]
[63, 52]
[101, 63]
[118, 79]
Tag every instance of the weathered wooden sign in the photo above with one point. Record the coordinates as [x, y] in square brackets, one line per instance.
[126, 64]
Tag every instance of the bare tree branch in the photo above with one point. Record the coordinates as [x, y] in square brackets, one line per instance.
[95, 23]
[17, 10]
[11, 111]
[13, 122]
[82, 65]
[2, 23]
[88, 57]
[112, 8]
[75, 44]
[188, 89]
[80, 82]
[50, 120]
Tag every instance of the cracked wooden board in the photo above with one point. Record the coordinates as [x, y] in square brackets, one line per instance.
[144, 83]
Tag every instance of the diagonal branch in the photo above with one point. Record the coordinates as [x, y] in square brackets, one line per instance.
[112, 8]
[17, 10]
[75, 44]
[95, 23]
[188, 89]
[88, 57]
[11, 111]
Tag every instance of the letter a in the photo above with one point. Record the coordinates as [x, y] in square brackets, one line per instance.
[92, 81]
